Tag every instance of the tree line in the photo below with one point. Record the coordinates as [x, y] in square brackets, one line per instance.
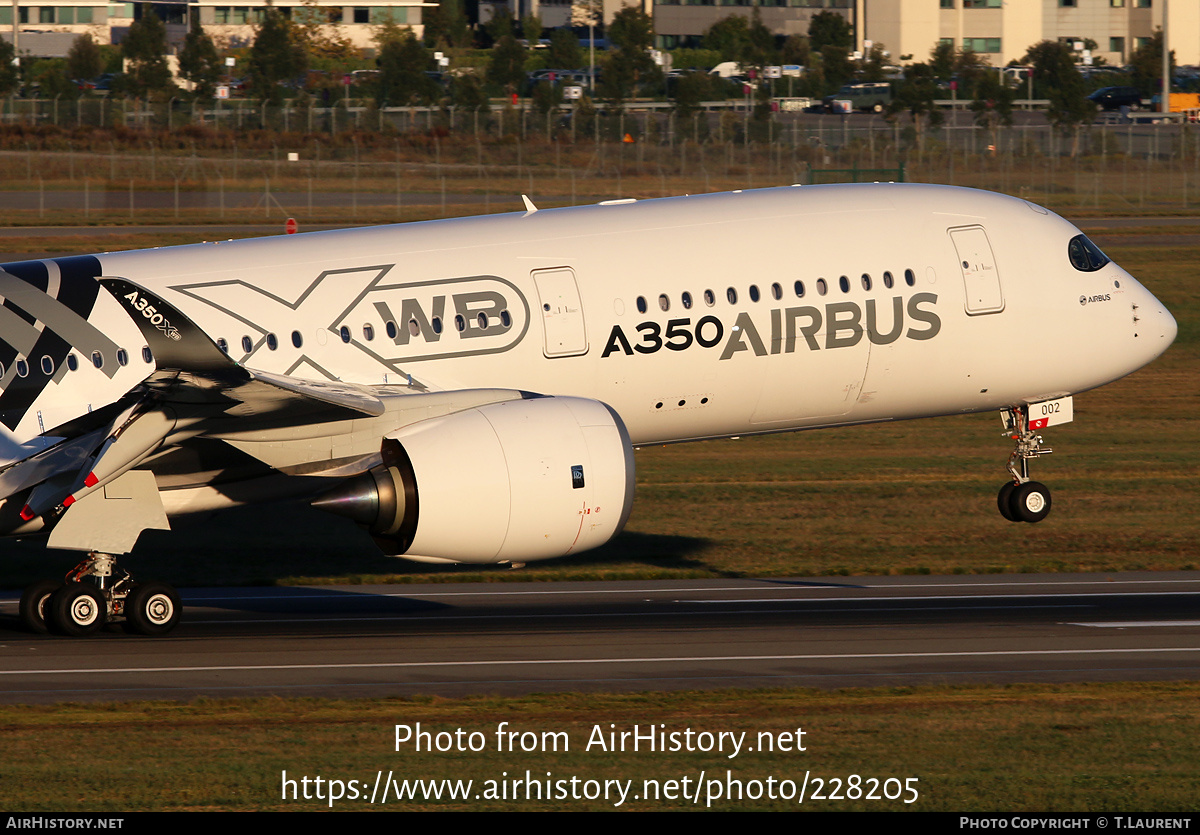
[300, 56]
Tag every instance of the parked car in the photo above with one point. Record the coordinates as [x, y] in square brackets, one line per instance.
[101, 83]
[873, 96]
[1114, 98]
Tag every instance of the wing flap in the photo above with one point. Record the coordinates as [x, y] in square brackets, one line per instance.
[354, 398]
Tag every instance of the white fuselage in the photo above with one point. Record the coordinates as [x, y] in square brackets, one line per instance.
[764, 310]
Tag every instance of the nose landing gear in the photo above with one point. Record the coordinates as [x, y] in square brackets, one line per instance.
[1022, 499]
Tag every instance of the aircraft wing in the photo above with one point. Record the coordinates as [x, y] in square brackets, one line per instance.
[193, 384]
[473, 475]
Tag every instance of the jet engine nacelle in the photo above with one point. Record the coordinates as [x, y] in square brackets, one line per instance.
[514, 481]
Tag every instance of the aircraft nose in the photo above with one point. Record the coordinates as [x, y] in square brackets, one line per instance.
[1160, 322]
[1156, 325]
[1170, 328]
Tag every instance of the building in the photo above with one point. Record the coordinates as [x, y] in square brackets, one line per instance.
[554, 14]
[235, 24]
[48, 28]
[683, 22]
[45, 28]
[999, 30]
[1002, 30]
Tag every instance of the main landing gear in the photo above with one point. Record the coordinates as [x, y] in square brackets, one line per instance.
[1022, 499]
[96, 592]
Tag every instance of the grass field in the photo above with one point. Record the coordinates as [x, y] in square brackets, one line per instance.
[1111, 748]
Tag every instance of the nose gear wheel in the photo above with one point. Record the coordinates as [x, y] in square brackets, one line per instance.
[1022, 499]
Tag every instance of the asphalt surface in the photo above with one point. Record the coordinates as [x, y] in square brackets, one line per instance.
[514, 638]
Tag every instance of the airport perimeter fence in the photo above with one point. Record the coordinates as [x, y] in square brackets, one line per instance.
[435, 162]
[654, 122]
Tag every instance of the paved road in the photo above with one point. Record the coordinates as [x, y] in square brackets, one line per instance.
[629, 636]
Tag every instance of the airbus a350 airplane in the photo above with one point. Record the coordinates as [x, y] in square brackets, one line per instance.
[471, 390]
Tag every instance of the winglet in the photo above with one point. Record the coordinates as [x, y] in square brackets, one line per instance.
[529, 207]
[175, 341]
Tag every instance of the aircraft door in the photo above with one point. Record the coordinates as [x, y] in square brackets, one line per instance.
[981, 279]
[562, 313]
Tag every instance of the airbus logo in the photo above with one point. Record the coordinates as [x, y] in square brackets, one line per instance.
[1086, 300]
[837, 325]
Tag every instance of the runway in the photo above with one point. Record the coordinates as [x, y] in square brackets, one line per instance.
[513, 638]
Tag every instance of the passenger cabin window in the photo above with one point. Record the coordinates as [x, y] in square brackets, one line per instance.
[753, 292]
[223, 344]
[147, 356]
[822, 287]
[122, 357]
[664, 304]
[23, 368]
[910, 278]
[888, 281]
[641, 305]
[710, 298]
[47, 365]
[272, 341]
[687, 301]
[799, 288]
[731, 295]
[1085, 256]
[844, 283]
[247, 344]
[297, 339]
[97, 359]
[72, 362]
[345, 334]
[368, 332]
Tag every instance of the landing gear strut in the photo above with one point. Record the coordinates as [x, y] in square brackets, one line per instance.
[96, 592]
[1022, 499]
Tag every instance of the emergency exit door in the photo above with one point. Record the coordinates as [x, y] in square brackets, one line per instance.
[562, 313]
[981, 279]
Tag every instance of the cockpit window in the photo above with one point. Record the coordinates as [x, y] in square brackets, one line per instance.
[1085, 256]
